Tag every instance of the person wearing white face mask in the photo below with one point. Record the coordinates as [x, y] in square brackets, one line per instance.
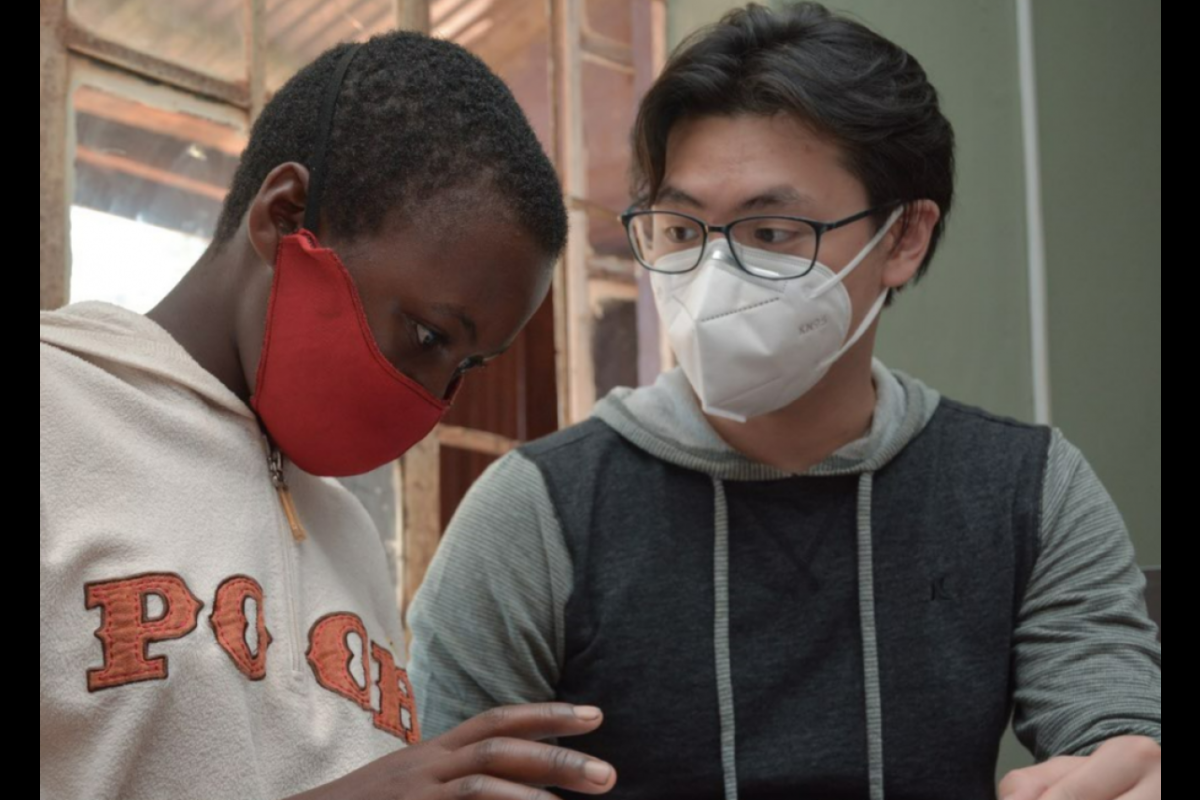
[754, 327]
[786, 570]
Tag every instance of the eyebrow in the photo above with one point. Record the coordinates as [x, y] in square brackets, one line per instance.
[670, 194]
[782, 195]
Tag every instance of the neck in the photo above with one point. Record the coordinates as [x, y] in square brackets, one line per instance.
[201, 313]
[836, 411]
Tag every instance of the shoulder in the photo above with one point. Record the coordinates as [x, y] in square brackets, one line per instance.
[569, 442]
[974, 434]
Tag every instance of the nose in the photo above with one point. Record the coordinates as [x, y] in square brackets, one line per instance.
[718, 248]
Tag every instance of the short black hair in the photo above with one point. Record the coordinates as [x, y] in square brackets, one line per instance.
[418, 121]
[847, 82]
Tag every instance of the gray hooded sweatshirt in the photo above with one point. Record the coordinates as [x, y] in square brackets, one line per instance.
[864, 629]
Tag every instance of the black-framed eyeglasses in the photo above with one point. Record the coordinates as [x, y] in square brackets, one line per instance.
[674, 242]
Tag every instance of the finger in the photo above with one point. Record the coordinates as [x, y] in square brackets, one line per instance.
[481, 787]
[528, 762]
[1108, 773]
[535, 721]
[1149, 789]
[1032, 782]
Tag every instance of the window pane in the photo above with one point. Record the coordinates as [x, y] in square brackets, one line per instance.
[615, 345]
[609, 109]
[513, 38]
[203, 35]
[300, 30]
[611, 19]
[149, 184]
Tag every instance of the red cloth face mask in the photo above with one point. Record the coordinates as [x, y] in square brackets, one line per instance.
[325, 393]
[328, 398]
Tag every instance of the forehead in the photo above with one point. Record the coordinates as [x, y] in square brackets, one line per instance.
[723, 161]
[467, 258]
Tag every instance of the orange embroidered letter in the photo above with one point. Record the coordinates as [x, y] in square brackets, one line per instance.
[127, 627]
[329, 655]
[230, 624]
[397, 712]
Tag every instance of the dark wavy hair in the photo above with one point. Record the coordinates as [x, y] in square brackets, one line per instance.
[865, 93]
[418, 121]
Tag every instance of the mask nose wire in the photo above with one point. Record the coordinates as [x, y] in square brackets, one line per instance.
[719, 249]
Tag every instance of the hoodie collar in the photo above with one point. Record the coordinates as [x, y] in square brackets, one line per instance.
[103, 332]
[666, 421]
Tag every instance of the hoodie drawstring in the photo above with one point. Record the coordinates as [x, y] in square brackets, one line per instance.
[866, 615]
[866, 607]
[721, 640]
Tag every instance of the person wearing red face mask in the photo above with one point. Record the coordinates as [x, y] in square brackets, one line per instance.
[216, 617]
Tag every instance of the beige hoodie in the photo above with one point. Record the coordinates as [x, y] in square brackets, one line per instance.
[191, 645]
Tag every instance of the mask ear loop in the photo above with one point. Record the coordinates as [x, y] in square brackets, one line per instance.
[876, 307]
[862, 328]
[316, 183]
[858, 259]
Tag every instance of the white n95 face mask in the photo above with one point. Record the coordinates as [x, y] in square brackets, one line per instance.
[748, 345]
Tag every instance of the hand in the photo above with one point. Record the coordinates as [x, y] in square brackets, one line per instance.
[1124, 768]
[494, 756]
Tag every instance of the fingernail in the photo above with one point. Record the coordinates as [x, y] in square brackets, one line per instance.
[587, 713]
[598, 772]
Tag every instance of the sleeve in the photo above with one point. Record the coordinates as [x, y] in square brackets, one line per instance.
[487, 622]
[1087, 660]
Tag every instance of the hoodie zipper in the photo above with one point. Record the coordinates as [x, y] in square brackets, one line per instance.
[275, 464]
[295, 535]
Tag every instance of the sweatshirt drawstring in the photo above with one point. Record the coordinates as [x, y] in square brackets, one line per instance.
[866, 606]
[721, 641]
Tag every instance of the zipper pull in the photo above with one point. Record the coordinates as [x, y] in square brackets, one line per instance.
[275, 465]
